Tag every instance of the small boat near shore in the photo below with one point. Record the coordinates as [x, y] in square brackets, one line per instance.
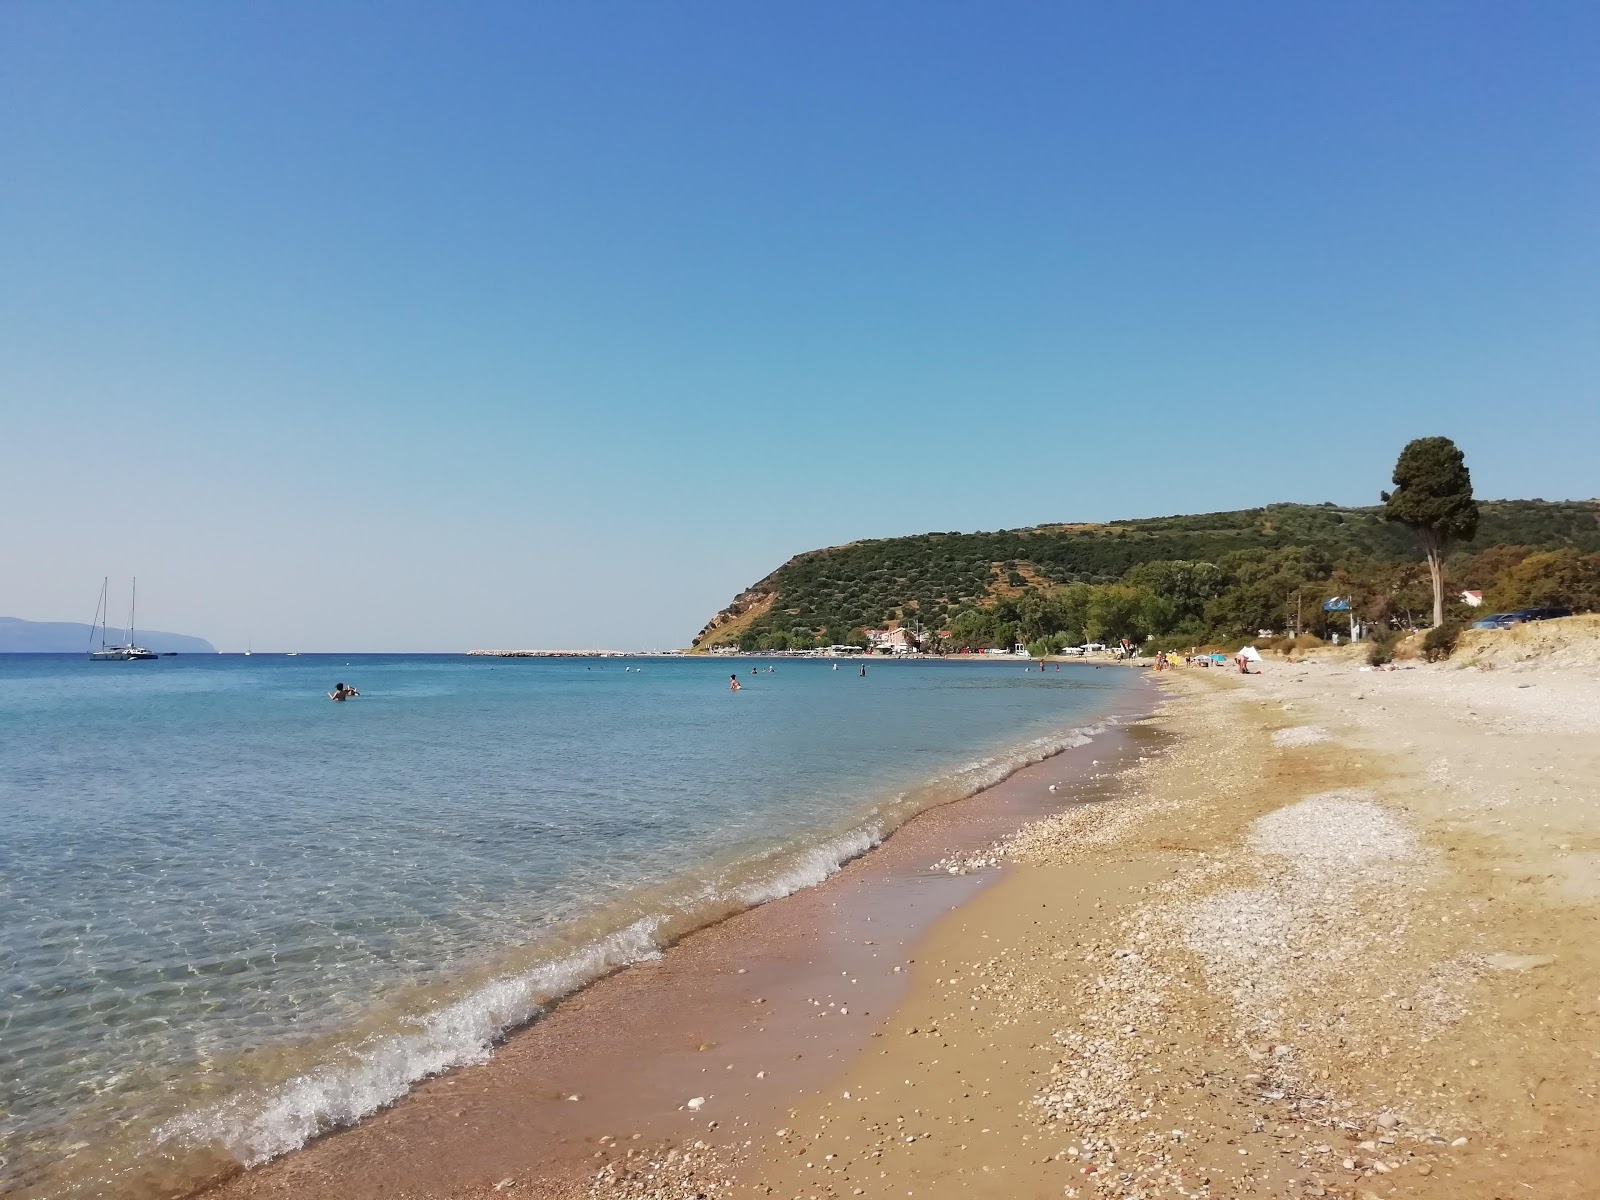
[129, 651]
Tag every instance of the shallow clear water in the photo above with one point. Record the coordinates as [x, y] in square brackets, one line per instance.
[233, 913]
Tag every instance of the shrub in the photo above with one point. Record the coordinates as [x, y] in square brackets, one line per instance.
[1381, 651]
[1440, 641]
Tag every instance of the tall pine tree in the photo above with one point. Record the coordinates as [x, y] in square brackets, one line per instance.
[1433, 495]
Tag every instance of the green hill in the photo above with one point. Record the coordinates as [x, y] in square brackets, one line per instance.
[929, 580]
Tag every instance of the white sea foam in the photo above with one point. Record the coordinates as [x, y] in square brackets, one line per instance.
[257, 1126]
[810, 867]
[254, 1127]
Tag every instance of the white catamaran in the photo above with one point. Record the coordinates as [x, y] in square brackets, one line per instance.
[125, 653]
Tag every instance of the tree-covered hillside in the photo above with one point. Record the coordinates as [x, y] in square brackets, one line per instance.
[1259, 557]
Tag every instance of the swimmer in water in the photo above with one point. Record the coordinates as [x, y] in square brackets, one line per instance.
[340, 692]
[733, 683]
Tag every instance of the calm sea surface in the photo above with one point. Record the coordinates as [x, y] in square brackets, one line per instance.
[234, 914]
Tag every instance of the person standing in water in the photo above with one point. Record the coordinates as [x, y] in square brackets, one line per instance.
[863, 670]
[733, 683]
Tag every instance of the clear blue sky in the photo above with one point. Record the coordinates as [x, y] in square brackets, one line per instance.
[403, 326]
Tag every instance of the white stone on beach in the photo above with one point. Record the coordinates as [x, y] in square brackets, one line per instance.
[696, 1104]
[1502, 961]
[1300, 735]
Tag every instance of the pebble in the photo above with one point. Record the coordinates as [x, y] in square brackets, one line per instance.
[696, 1104]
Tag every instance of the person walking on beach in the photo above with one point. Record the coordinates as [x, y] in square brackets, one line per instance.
[733, 683]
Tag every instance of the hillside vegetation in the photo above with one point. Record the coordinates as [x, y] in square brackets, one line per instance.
[1213, 575]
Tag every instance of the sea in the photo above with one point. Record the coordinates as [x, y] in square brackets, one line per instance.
[235, 915]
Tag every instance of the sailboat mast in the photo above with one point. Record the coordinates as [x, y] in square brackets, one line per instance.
[133, 605]
[99, 617]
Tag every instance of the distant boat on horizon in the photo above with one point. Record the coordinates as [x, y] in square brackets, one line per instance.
[129, 651]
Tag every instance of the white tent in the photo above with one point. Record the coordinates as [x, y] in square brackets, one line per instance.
[1250, 654]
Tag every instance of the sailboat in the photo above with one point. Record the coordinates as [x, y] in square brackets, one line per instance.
[124, 653]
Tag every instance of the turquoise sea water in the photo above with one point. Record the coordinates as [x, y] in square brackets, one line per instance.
[234, 914]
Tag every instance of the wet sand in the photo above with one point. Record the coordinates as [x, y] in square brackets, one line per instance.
[750, 1015]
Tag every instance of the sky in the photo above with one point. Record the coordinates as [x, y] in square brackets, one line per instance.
[401, 326]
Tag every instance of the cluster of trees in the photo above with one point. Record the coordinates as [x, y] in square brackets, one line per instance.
[1538, 579]
[1206, 578]
[1181, 602]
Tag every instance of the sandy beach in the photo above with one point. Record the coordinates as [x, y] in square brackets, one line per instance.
[1336, 940]
[1321, 931]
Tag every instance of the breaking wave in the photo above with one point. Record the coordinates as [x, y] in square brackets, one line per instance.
[357, 1080]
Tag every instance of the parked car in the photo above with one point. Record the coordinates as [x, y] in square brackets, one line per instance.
[1540, 614]
[1507, 620]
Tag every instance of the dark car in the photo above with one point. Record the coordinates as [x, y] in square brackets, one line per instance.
[1507, 620]
[1497, 621]
[1539, 614]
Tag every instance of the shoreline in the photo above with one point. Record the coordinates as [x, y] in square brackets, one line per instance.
[591, 1043]
[1332, 939]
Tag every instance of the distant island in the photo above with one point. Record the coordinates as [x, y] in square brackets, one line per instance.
[73, 637]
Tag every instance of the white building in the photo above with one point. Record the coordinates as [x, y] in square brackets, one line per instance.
[891, 641]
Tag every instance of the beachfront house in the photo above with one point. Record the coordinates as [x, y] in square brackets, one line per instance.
[891, 641]
[1472, 599]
